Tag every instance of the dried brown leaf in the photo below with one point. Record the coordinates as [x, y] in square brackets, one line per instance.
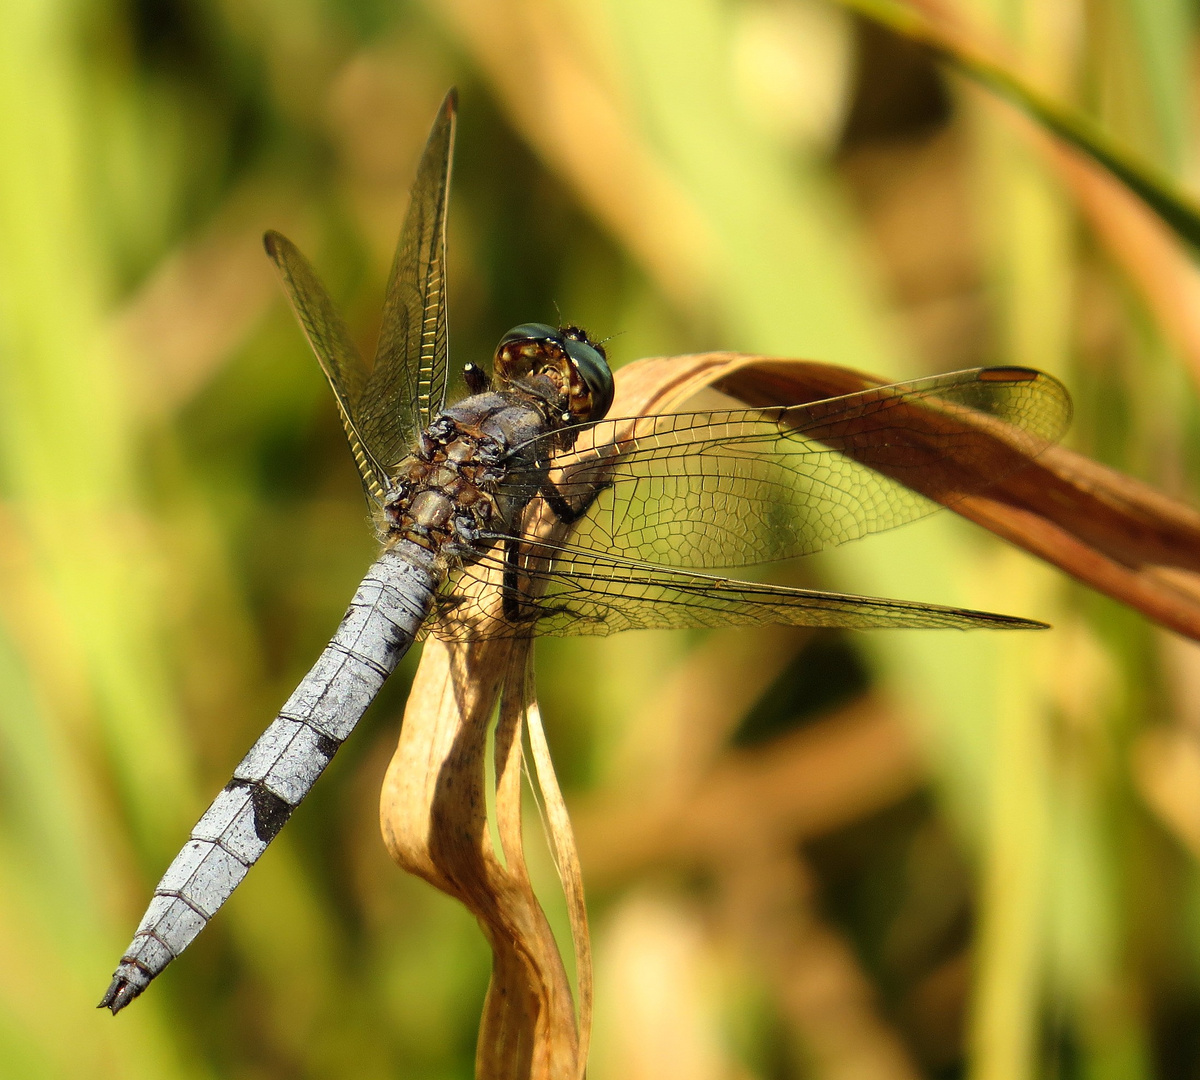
[1096, 524]
[1102, 527]
[434, 817]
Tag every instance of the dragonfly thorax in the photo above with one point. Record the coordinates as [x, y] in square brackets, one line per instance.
[444, 494]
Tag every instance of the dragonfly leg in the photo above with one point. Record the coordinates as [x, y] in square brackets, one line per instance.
[515, 612]
[477, 380]
[563, 510]
[511, 590]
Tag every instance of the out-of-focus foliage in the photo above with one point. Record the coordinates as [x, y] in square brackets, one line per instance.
[889, 855]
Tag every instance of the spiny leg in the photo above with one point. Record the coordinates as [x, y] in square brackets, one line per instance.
[511, 586]
[563, 510]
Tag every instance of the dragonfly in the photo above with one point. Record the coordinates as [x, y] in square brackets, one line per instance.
[524, 509]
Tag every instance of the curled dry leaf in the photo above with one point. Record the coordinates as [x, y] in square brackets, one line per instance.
[433, 809]
[1103, 528]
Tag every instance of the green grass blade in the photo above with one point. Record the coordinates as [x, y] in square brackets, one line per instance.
[1154, 186]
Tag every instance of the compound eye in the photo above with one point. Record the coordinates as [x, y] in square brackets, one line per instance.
[590, 364]
[530, 331]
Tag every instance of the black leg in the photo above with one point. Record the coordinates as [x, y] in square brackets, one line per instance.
[476, 379]
[559, 506]
[511, 588]
[562, 509]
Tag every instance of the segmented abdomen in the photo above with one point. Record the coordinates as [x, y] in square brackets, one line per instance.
[383, 619]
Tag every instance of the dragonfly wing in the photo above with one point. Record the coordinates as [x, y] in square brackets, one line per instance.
[407, 385]
[336, 351]
[565, 592]
[742, 487]
[384, 409]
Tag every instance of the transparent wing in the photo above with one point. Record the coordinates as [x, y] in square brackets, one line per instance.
[407, 385]
[737, 488]
[339, 358]
[384, 409]
[587, 593]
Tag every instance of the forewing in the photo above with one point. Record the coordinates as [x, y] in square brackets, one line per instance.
[566, 592]
[737, 488]
[339, 358]
[407, 384]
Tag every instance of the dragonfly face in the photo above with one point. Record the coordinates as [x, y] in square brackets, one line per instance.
[575, 367]
[495, 524]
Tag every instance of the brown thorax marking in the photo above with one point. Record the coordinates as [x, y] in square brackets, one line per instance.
[442, 497]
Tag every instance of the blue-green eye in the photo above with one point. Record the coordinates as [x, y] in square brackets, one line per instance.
[589, 388]
[530, 331]
[589, 360]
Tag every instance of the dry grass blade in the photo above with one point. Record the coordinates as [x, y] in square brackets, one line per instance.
[1103, 528]
[1099, 526]
[821, 985]
[201, 302]
[561, 105]
[933, 26]
[1138, 212]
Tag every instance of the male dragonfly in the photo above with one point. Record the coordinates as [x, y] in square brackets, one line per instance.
[582, 524]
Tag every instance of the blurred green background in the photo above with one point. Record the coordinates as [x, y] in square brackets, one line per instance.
[887, 855]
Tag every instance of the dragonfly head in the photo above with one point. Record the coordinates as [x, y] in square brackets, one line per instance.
[564, 363]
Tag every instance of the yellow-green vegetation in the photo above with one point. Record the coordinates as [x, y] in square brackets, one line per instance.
[887, 855]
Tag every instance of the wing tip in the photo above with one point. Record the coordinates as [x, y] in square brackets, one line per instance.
[272, 241]
[450, 101]
[992, 621]
[1051, 385]
[1010, 373]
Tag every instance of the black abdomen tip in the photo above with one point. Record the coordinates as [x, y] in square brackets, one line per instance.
[119, 994]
